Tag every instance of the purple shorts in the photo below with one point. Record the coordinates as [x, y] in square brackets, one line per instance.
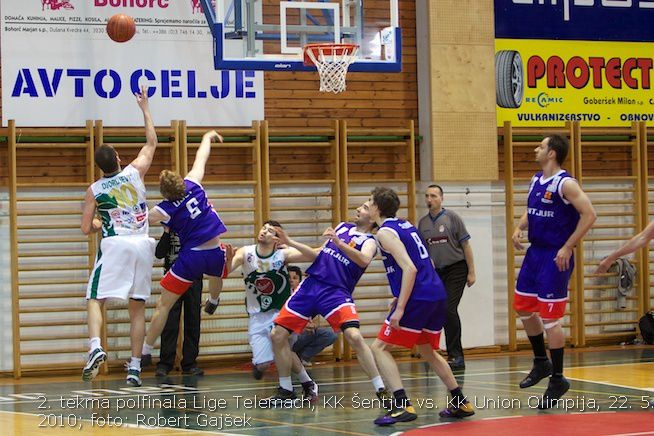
[421, 323]
[539, 275]
[315, 297]
[191, 265]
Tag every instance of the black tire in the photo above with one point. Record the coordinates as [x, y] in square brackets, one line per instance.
[509, 79]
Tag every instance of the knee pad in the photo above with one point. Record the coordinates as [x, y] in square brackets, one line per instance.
[142, 300]
[350, 324]
[551, 323]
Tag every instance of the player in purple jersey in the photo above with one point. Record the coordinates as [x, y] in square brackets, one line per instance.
[558, 215]
[328, 292]
[187, 212]
[418, 311]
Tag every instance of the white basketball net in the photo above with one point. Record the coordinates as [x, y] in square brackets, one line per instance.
[332, 68]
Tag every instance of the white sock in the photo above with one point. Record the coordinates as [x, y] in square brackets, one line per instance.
[286, 383]
[147, 349]
[94, 343]
[378, 383]
[135, 363]
[304, 377]
[214, 300]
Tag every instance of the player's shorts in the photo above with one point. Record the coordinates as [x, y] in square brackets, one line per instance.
[422, 323]
[541, 287]
[123, 268]
[315, 297]
[191, 265]
[259, 327]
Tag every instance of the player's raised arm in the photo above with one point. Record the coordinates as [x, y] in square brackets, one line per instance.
[197, 172]
[144, 159]
[296, 251]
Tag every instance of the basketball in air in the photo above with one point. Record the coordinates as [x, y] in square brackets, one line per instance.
[121, 28]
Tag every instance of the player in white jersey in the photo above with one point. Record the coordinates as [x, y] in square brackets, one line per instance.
[123, 267]
[267, 287]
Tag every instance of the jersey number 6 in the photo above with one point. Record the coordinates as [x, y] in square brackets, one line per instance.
[193, 208]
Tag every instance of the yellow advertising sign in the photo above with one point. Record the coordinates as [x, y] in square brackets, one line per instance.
[599, 83]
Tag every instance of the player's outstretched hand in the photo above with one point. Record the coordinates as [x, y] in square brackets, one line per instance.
[562, 258]
[142, 98]
[230, 252]
[603, 266]
[517, 235]
[281, 238]
[213, 136]
[330, 234]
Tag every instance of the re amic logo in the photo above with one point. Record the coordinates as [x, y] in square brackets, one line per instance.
[544, 100]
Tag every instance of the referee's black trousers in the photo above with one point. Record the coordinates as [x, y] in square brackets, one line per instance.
[192, 300]
[454, 279]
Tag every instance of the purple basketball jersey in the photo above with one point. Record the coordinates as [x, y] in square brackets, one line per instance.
[333, 266]
[551, 218]
[428, 286]
[193, 218]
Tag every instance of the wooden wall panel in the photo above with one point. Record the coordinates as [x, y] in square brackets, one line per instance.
[461, 70]
[48, 166]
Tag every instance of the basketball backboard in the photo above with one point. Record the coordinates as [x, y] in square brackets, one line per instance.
[270, 34]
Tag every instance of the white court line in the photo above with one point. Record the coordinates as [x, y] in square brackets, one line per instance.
[501, 417]
[438, 424]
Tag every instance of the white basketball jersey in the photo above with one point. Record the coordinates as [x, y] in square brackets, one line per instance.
[121, 203]
[267, 285]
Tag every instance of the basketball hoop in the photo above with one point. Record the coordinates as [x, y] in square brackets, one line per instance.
[331, 61]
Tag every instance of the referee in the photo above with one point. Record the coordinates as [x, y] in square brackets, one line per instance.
[448, 242]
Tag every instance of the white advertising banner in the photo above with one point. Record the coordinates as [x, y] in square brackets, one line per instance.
[59, 67]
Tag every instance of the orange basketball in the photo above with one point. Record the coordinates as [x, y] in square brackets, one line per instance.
[121, 28]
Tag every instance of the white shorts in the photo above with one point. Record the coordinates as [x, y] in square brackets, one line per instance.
[259, 328]
[123, 268]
